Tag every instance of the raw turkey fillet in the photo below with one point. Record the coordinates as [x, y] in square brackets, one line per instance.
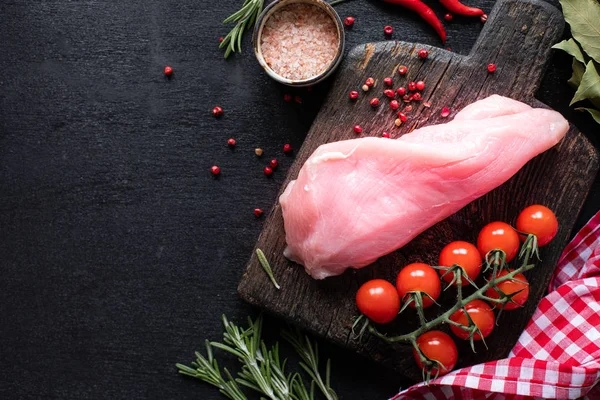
[357, 200]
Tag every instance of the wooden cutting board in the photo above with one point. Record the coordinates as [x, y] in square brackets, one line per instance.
[517, 38]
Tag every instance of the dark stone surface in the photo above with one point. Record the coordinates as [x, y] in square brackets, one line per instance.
[118, 250]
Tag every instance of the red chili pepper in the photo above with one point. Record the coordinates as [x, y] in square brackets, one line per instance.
[457, 7]
[425, 12]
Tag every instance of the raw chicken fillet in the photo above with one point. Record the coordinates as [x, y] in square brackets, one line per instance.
[357, 200]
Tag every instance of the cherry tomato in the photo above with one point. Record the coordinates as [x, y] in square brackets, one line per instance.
[378, 300]
[464, 254]
[439, 346]
[498, 235]
[540, 221]
[511, 286]
[419, 277]
[481, 314]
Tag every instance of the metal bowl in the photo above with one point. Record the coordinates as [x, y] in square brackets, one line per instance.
[257, 36]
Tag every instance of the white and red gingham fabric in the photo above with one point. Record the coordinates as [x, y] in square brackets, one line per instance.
[558, 354]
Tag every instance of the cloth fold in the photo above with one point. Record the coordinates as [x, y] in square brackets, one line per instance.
[558, 354]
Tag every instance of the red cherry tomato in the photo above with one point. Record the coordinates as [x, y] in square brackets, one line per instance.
[481, 314]
[498, 235]
[464, 254]
[419, 277]
[540, 221]
[511, 286]
[378, 300]
[439, 346]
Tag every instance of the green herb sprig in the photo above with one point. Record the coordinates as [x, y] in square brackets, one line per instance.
[245, 18]
[262, 369]
[583, 16]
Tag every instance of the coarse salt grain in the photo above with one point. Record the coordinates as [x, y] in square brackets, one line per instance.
[299, 41]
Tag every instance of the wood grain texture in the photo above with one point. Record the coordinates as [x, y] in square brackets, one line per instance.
[517, 38]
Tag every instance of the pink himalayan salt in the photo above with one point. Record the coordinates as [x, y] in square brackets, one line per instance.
[299, 41]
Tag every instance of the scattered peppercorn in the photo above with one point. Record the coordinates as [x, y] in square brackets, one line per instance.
[354, 95]
[491, 68]
[420, 85]
[258, 212]
[349, 21]
[287, 148]
[445, 112]
[402, 70]
[483, 18]
[426, 104]
[423, 54]
[357, 129]
[273, 163]
[370, 82]
[406, 98]
[385, 135]
[401, 91]
[215, 170]
[412, 86]
[408, 108]
[388, 30]
[397, 122]
[417, 96]
[448, 17]
[221, 39]
[217, 112]
[374, 102]
[388, 81]
[168, 71]
[389, 93]
[365, 88]
[258, 151]
[287, 97]
[402, 116]
[268, 171]
[231, 142]
[394, 104]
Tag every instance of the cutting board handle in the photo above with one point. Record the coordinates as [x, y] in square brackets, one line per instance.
[517, 33]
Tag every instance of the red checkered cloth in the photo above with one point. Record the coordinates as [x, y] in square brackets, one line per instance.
[558, 354]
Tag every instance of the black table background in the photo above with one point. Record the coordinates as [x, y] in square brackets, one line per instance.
[118, 250]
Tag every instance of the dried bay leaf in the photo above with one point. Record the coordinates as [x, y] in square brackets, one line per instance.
[571, 47]
[589, 88]
[578, 70]
[583, 16]
[594, 113]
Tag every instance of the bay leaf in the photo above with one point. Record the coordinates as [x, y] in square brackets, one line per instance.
[578, 70]
[589, 88]
[583, 16]
[571, 47]
[594, 113]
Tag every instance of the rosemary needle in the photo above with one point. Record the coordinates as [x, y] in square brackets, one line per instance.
[266, 267]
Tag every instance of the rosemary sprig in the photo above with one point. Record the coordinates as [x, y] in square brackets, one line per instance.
[207, 370]
[309, 354]
[245, 18]
[262, 369]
